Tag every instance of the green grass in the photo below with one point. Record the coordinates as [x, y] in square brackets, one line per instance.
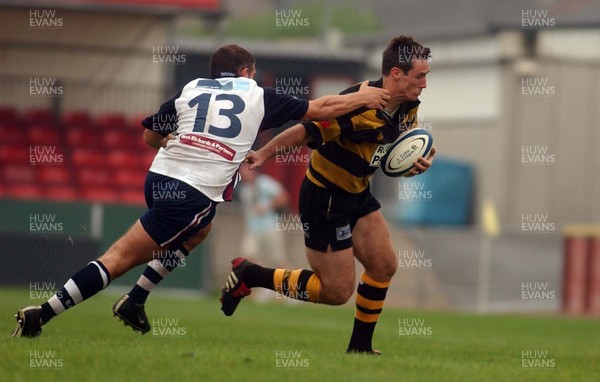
[92, 345]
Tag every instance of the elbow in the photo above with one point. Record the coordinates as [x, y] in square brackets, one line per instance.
[152, 139]
[147, 137]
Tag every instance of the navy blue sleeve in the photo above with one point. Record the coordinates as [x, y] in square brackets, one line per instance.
[280, 108]
[165, 121]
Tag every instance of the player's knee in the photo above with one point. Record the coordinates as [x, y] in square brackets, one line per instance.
[341, 294]
[115, 265]
[339, 298]
[385, 268]
[118, 259]
[391, 265]
[198, 238]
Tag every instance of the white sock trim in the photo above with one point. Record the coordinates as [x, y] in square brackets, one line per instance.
[73, 291]
[159, 268]
[145, 283]
[56, 305]
[181, 255]
[102, 274]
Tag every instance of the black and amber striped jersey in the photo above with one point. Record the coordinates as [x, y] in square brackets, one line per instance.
[347, 150]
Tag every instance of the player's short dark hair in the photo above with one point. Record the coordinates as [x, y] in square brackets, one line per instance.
[401, 52]
[229, 61]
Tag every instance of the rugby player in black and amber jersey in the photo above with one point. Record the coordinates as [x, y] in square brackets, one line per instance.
[342, 219]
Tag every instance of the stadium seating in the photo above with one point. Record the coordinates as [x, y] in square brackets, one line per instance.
[19, 173]
[25, 191]
[61, 193]
[95, 159]
[11, 153]
[108, 121]
[39, 116]
[54, 175]
[80, 137]
[12, 133]
[85, 157]
[101, 194]
[42, 134]
[76, 118]
[8, 115]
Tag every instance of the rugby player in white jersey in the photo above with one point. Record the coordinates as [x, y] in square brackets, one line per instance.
[203, 135]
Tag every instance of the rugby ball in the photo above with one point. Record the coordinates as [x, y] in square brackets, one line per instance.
[400, 156]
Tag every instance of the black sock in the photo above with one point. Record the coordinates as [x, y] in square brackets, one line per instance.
[257, 276]
[362, 335]
[156, 271]
[370, 296]
[88, 281]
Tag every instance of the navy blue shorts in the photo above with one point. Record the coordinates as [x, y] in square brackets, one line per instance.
[176, 212]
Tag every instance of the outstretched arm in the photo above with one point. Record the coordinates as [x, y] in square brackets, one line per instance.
[328, 107]
[294, 136]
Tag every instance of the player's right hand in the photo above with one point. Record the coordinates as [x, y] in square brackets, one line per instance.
[421, 165]
[254, 160]
[376, 98]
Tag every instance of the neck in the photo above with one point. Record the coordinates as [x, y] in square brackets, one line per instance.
[396, 99]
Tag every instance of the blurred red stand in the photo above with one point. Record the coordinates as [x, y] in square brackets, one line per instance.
[581, 277]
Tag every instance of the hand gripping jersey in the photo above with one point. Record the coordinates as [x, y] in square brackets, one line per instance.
[348, 149]
[216, 122]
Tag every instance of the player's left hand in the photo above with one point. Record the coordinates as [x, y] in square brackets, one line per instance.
[254, 159]
[375, 98]
[421, 165]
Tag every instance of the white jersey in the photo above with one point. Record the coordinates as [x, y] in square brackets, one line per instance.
[215, 122]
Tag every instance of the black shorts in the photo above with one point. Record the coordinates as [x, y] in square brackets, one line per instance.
[329, 217]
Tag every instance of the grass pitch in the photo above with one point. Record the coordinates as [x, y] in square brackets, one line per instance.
[192, 340]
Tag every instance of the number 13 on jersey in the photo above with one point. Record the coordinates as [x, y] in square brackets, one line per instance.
[235, 125]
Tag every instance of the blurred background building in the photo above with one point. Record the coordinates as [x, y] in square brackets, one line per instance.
[512, 104]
